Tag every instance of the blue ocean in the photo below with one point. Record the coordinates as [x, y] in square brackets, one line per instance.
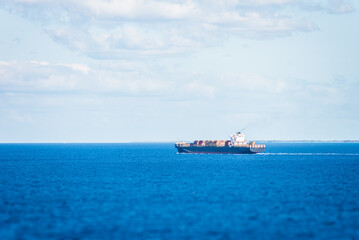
[148, 191]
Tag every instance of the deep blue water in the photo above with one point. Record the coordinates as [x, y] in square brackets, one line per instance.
[147, 191]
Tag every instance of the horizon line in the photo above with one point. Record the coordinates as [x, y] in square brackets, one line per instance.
[148, 142]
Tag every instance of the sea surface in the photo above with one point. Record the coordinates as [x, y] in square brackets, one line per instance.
[147, 191]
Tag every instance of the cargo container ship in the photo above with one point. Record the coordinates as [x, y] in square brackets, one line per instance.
[237, 145]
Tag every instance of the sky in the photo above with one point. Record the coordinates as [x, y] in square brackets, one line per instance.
[150, 70]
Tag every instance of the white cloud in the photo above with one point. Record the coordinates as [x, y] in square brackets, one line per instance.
[139, 8]
[264, 2]
[128, 9]
[41, 77]
[32, 76]
[33, 92]
[79, 67]
[138, 28]
[340, 6]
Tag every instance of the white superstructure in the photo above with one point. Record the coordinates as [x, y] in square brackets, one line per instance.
[237, 139]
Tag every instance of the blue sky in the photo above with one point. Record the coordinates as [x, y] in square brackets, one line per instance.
[136, 70]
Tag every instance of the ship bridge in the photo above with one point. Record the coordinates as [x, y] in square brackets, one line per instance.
[237, 139]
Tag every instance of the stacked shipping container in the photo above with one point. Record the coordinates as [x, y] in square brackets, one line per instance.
[211, 143]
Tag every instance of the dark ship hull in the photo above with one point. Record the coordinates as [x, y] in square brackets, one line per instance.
[219, 150]
[237, 145]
